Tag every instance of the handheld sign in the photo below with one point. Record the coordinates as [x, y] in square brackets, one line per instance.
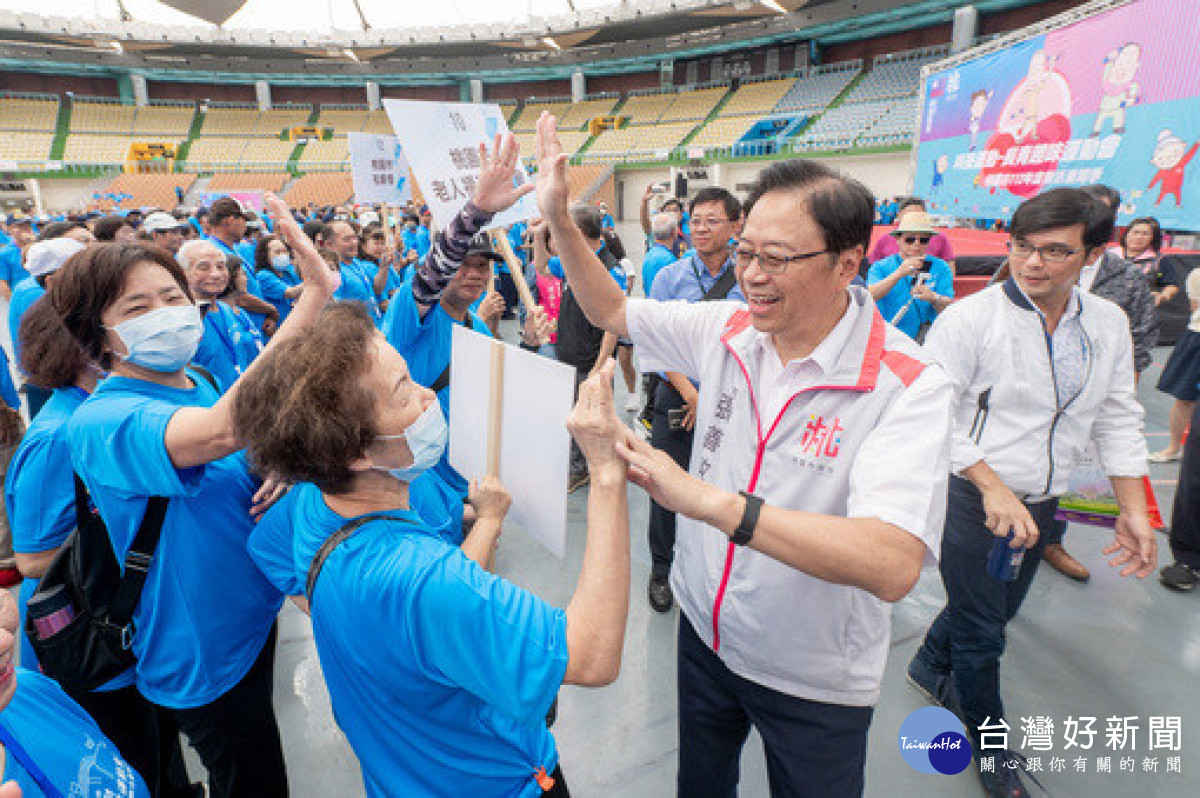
[379, 168]
[442, 142]
[501, 245]
[508, 418]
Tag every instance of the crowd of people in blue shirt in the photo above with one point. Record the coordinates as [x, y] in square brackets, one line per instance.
[282, 381]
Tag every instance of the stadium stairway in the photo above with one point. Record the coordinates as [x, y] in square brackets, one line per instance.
[193, 132]
[192, 198]
[59, 145]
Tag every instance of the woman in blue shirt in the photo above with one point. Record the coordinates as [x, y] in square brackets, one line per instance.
[39, 496]
[231, 340]
[48, 744]
[455, 703]
[204, 638]
[277, 277]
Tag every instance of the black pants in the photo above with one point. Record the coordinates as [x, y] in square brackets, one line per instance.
[967, 637]
[678, 444]
[237, 737]
[559, 790]
[1185, 514]
[508, 290]
[145, 735]
[813, 749]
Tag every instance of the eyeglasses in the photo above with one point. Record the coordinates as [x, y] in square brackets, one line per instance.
[771, 264]
[916, 239]
[706, 222]
[1051, 253]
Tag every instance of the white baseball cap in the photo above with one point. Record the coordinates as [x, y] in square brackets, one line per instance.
[46, 257]
[160, 222]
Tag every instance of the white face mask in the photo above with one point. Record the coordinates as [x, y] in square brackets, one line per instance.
[426, 438]
[165, 339]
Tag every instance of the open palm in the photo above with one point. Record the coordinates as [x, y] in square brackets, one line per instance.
[553, 191]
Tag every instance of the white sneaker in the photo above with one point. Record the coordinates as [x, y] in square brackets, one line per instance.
[633, 403]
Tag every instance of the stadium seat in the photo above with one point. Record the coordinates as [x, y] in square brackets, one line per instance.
[145, 190]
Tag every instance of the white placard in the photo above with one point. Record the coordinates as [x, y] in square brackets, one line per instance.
[534, 443]
[442, 142]
[380, 169]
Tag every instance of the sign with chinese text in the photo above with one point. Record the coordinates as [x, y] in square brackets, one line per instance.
[442, 142]
[380, 169]
[1113, 98]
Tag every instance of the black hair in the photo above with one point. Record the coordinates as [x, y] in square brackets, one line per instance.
[841, 206]
[1156, 234]
[1064, 207]
[733, 207]
[314, 229]
[59, 229]
[910, 202]
[1106, 194]
[589, 220]
[106, 228]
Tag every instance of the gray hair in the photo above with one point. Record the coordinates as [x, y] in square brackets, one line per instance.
[188, 251]
[663, 226]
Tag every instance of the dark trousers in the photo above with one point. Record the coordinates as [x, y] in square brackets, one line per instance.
[578, 462]
[967, 637]
[508, 290]
[1056, 531]
[678, 444]
[145, 735]
[559, 790]
[1185, 514]
[812, 749]
[237, 738]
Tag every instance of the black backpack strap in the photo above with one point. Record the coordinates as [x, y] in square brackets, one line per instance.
[343, 534]
[721, 288]
[137, 565]
[444, 378]
[206, 375]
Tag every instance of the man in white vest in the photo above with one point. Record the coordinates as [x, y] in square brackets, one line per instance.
[817, 482]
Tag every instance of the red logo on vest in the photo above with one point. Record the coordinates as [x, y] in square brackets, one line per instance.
[822, 438]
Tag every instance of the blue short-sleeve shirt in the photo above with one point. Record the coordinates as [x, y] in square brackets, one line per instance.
[357, 286]
[64, 743]
[12, 271]
[459, 694]
[940, 281]
[206, 610]
[24, 295]
[425, 345]
[273, 284]
[230, 343]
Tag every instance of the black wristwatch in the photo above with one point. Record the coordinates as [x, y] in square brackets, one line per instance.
[745, 528]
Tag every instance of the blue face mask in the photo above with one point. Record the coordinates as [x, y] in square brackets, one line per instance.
[281, 263]
[426, 438]
[165, 339]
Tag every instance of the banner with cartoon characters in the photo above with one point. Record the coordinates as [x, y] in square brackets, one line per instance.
[1113, 98]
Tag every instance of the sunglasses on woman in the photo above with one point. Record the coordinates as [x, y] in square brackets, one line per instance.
[916, 239]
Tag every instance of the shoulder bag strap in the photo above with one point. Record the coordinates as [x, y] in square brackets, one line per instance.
[444, 378]
[721, 288]
[206, 375]
[26, 761]
[343, 534]
[137, 563]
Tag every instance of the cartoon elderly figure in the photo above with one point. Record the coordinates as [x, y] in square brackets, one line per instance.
[1119, 86]
[979, 104]
[1171, 156]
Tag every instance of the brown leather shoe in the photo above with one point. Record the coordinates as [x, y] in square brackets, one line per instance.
[1064, 563]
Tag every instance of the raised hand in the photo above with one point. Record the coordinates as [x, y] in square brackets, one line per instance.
[489, 498]
[314, 271]
[594, 423]
[553, 190]
[495, 191]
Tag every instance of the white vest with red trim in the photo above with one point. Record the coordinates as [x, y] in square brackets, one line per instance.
[768, 622]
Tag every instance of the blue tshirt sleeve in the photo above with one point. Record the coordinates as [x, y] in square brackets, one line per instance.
[271, 545]
[8, 391]
[943, 279]
[556, 268]
[877, 272]
[272, 287]
[486, 635]
[40, 494]
[664, 285]
[119, 443]
[403, 320]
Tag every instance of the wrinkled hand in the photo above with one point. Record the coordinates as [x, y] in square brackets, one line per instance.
[1004, 513]
[489, 498]
[553, 191]
[272, 490]
[655, 472]
[495, 192]
[594, 423]
[492, 307]
[911, 266]
[1134, 546]
[314, 271]
[537, 327]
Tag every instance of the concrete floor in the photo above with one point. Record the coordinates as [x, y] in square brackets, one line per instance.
[1113, 647]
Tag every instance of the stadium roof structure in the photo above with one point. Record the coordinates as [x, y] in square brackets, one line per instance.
[318, 41]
